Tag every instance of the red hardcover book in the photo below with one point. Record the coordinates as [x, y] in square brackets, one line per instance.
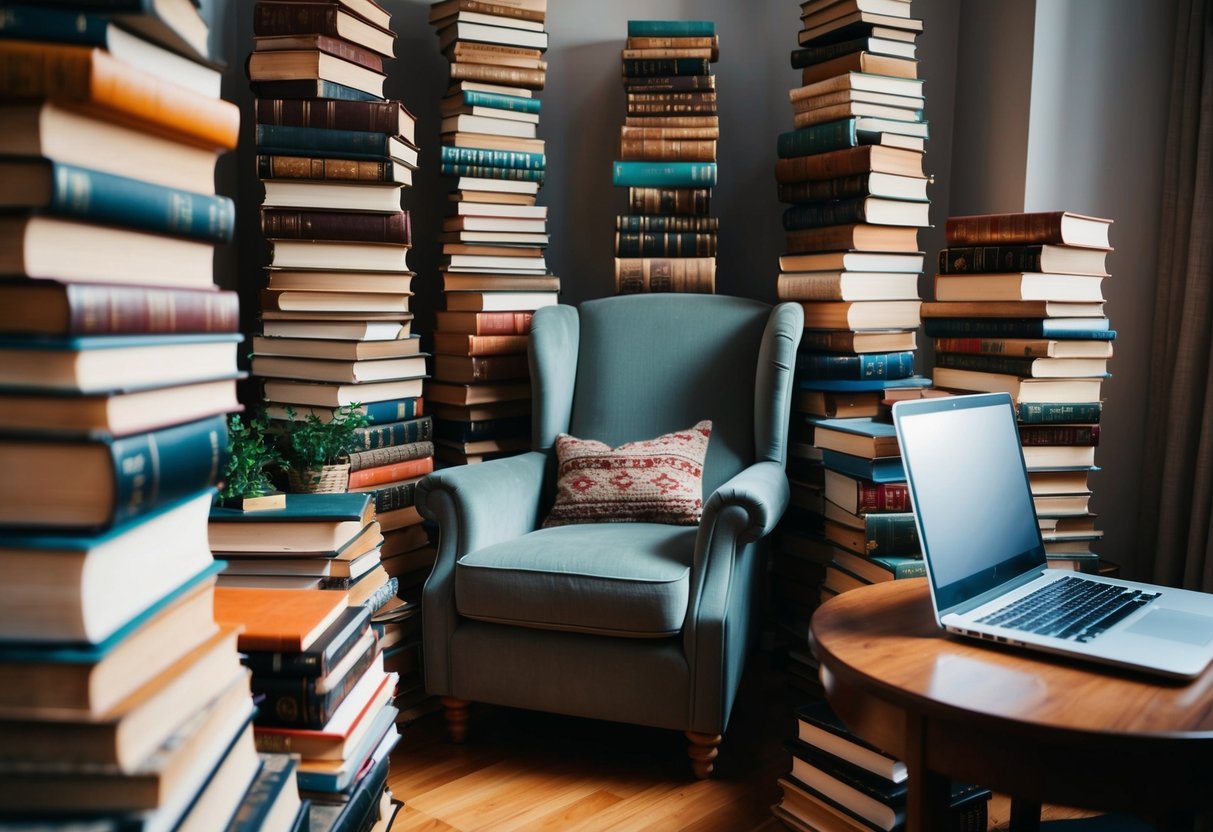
[389, 117]
[1046, 227]
[391, 472]
[52, 308]
[485, 323]
[360, 226]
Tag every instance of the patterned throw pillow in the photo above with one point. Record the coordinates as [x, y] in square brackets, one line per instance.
[651, 481]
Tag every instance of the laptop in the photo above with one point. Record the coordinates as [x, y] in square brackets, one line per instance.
[985, 559]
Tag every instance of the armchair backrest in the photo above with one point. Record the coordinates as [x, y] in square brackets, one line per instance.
[633, 367]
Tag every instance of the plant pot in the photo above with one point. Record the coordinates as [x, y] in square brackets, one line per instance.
[327, 479]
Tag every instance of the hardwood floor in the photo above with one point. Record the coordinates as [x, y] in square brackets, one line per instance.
[521, 770]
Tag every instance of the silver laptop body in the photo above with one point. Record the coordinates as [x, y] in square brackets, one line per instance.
[983, 551]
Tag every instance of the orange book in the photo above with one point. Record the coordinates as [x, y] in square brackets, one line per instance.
[278, 620]
[391, 472]
[92, 78]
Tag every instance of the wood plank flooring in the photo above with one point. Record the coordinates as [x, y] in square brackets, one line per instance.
[520, 770]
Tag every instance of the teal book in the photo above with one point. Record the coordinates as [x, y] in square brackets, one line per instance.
[379, 413]
[400, 432]
[114, 479]
[490, 172]
[842, 385]
[882, 366]
[184, 32]
[324, 142]
[1091, 329]
[493, 158]
[310, 88]
[335, 507]
[671, 28]
[272, 789]
[501, 101]
[880, 469]
[662, 67]
[333, 786]
[901, 566]
[891, 533]
[80, 193]
[1058, 413]
[635, 173]
[817, 138]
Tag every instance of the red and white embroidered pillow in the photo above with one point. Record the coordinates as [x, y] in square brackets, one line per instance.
[651, 481]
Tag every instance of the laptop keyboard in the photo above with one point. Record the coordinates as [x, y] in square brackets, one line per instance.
[1071, 608]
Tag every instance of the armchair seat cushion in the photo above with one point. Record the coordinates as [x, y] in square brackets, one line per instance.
[616, 579]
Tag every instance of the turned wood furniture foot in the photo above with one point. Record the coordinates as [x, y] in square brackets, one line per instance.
[703, 750]
[456, 711]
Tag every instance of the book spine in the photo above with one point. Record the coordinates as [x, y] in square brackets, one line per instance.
[821, 238]
[362, 226]
[501, 101]
[277, 774]
[392, 497]
[330, 114]
[490, 172]
[316, 168]
[502, 323]
[664, 174]
[390, 454]
[817, 214]
[671, 108]
[981, 259]
[156, 468]
[1085, 435]
[669, 133]
[893, 533]
[391, 472]
[633, 223]
[294, 702]
[867, 366]
[478, 429]
[810, 55]
[395, 433]
[53, 25]
[308, 663]
[651, 67]
[1013, 328]
[665, 274]
[665, 244]
[670, 83]
[309, 88]
[882, 497]
[819, 138]
[830, 165]
[671, 28]
[502, 9]
[1004, 229]
[294, 19]
[673, 42]
[902, 567]
[1049, 413]
[96, 196]
[817, 190]
[670, 201]
[379, 597]
[493, 158]
[986, 363]
[662, 150]
[95, 309]
[395, 410]
[317, 141]
[509, 76]
[92, 77]
[499, 368]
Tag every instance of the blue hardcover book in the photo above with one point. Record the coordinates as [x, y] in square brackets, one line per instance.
[861, 426]
[493, 158]
[325, 142]
[186, 33]
[839, 385]
[664, 174]
[359, 811]
[882, 366]
[273, 793]
[1092, 329]
[881, 469]
[81, 193]
[490, 172]
[380, 739]
[817, 138]
[501, 101]
[671, 28]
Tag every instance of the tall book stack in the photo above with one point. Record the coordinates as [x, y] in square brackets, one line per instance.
[851, 173]
[322, 678]
[494, 240]
[1019, 309]
[124, 704]
[666, 242]
[334, 157]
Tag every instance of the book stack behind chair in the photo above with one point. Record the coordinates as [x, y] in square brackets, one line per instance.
[124, 703]
[494, 237]
[1018, 307]
[666, 239]
[304, 584]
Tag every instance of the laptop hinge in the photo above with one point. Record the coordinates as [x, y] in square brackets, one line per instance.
[990, 594]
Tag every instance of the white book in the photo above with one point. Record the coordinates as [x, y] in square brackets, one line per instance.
[488, 124]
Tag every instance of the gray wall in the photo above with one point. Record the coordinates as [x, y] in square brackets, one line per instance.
[1060, 104]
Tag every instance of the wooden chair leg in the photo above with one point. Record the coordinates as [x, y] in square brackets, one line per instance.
[456, 711]
[703, 750]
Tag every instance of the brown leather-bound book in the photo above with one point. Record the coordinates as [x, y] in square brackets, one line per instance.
[853, 237]
[364, 226]
[665, 274]
[321, 18]
[656, 149]
[285, 620]
[475, 369]
[338, 170]
[51, 308]
[322, 43]
[849, 161]
[509, 8]
[485, 323]
[1052, 227]
[93, 79]
[390, 117]
[531, 79]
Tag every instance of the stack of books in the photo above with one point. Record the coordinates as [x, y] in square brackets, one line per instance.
[124, 703]
[1019, 309]
[666, 242]
[299, 586]
[851, 172]
[323, 695]
[494, 241]
[839, 783]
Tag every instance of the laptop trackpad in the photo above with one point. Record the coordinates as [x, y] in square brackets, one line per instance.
[1175, 625]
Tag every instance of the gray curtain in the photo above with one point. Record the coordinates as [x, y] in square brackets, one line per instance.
[1176, 522]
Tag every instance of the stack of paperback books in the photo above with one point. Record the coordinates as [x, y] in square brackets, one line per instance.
[839, 782]
[124, 704]
[666, 242]
[851, 173]
[1019, 309]
[494, 241]
[323, 695]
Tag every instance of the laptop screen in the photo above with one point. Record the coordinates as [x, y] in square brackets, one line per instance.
[970, 492]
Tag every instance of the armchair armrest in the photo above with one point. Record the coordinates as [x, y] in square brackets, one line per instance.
[760, 490]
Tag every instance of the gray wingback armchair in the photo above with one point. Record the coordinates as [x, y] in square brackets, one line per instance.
[641, 623]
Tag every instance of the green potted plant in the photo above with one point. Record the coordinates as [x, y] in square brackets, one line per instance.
[251, 456]
[317, 450]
